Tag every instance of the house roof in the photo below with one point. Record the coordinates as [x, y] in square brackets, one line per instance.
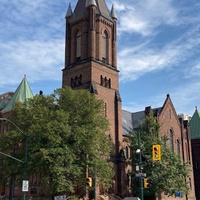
[195, 125]
[131, 121]
[22, 93]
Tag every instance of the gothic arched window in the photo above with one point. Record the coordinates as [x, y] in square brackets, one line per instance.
[178, 147]
[78, 46]
[104, 46]
[127, 153]
[170, 136]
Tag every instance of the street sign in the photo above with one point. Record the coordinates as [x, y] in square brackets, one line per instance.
[178, 194]
[25, 186]
[62, 197]
[140, 175]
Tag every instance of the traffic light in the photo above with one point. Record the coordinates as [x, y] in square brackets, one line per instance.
[146, 183]
[156, 152]
[89, 181]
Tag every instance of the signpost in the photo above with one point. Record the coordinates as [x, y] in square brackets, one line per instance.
[25, 186]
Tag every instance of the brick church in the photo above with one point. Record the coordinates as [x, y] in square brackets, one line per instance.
[91, 63]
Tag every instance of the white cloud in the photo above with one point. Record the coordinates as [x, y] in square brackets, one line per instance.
[143, 17]
[136, 60]
[134, 63]
[38, 59]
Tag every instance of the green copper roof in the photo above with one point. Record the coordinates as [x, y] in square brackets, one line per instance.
[2, 104]
[22, 93]
[195, 125]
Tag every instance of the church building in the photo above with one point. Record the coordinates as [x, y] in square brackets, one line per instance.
[91, 63]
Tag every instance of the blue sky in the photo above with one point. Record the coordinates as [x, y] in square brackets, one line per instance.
[158, 49]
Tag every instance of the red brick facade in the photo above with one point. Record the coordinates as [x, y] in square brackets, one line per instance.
[90, 63]
[181, 143]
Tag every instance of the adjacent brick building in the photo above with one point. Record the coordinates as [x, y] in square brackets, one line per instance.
[177, 131]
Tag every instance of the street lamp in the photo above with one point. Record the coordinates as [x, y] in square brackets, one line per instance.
[25, 181]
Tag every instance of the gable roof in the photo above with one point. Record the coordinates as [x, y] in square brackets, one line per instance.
[131, 121]
[195, 125]
[22, 93]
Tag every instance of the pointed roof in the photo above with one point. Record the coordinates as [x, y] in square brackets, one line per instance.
[112, 13]
[22, 93]
[81, 8]
[69, 11]
[195, 125]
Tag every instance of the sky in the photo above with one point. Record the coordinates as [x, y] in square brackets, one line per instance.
[157, 49]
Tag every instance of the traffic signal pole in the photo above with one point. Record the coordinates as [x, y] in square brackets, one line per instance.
[140, 166]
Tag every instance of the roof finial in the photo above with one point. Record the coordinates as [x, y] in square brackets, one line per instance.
[24, 76]
[196, 108]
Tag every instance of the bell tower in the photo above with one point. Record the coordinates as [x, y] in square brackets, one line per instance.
[91, 63]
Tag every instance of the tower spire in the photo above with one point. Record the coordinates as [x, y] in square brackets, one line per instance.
[69, 11]
[112, 13]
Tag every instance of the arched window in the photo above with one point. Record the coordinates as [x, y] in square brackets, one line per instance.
[131, 152]
[190, 183]
[78, 46]
[127, 154]
[106, 82]
[72, 82]
[187, 153]
[105, 109]
[128, 180]
[196, 164]
[80, 80]
[109, 82]
[170, 136]
[104, 46]
[101, 80]
[178, 147]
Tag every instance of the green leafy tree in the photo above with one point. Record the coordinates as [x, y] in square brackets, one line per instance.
[166, 176]
[66, 140]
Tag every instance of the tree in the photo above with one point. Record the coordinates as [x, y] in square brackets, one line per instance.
[167, 175]
[66, 137]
